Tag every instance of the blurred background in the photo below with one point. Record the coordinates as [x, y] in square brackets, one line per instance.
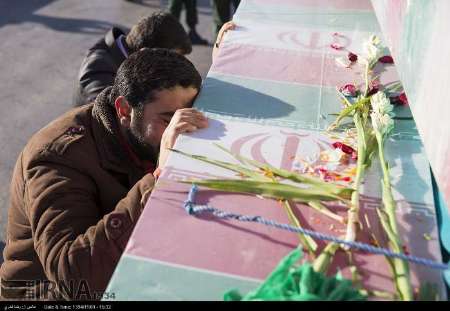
[42, 44]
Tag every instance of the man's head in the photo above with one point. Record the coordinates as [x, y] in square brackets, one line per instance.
[160, 30]
[149, 87]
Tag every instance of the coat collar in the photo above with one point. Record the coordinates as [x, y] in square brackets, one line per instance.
[106, 131]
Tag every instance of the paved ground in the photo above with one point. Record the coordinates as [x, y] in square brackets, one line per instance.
[41, 47]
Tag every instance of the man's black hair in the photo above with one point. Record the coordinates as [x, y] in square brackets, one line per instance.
[150, 70]
[160, 30]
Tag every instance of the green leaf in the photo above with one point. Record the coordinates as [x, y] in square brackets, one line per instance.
[348, 111]
[393, 87]
[372, 147]
[272, 190]
[293, 176]
[233, 167]
[307, 241]
[322, 263]
[378, 294]
[385, 224]
[322, 209]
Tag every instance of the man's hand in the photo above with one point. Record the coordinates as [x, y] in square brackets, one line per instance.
[227, 26]
[185, 120]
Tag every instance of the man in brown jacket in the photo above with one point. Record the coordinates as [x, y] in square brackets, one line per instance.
[81, 182]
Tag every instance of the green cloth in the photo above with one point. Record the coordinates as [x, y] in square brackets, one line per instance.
[299, 283]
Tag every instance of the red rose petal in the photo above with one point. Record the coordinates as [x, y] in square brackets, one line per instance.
[402, 97]
[336, 145]
[375, 83]
[352, 57]
[344, 148]
[400, 100]
[372, 90]
[335, 46]
[322, 170]
[324, 174]
[347, 149]
[387, 59]
[348, 90]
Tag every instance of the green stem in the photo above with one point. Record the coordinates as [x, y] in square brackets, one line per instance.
[366, 76]
[379, 294]
[324, 210]
[322, 263]
[353, 212]
[384, 168]
[306, 240]
[342, 96]
[400, 267]
[347, 111]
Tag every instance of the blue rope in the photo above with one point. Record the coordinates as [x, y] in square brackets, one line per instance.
[194, 209]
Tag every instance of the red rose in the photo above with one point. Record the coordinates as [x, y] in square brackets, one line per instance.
[348, 90]
[344, 148]
[352, 57]
[386, 59]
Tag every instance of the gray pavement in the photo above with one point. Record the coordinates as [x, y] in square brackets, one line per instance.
[42, 43]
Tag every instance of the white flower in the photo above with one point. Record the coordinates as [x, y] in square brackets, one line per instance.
[373, 48]
[382, 114]
[382, 123]
[381, 103]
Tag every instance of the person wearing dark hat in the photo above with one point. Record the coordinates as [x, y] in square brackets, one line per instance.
[102, 60]
[81, 183]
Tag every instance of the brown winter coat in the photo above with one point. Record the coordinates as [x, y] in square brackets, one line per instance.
[75, 199]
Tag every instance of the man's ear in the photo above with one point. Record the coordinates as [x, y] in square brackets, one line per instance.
[123, 111]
